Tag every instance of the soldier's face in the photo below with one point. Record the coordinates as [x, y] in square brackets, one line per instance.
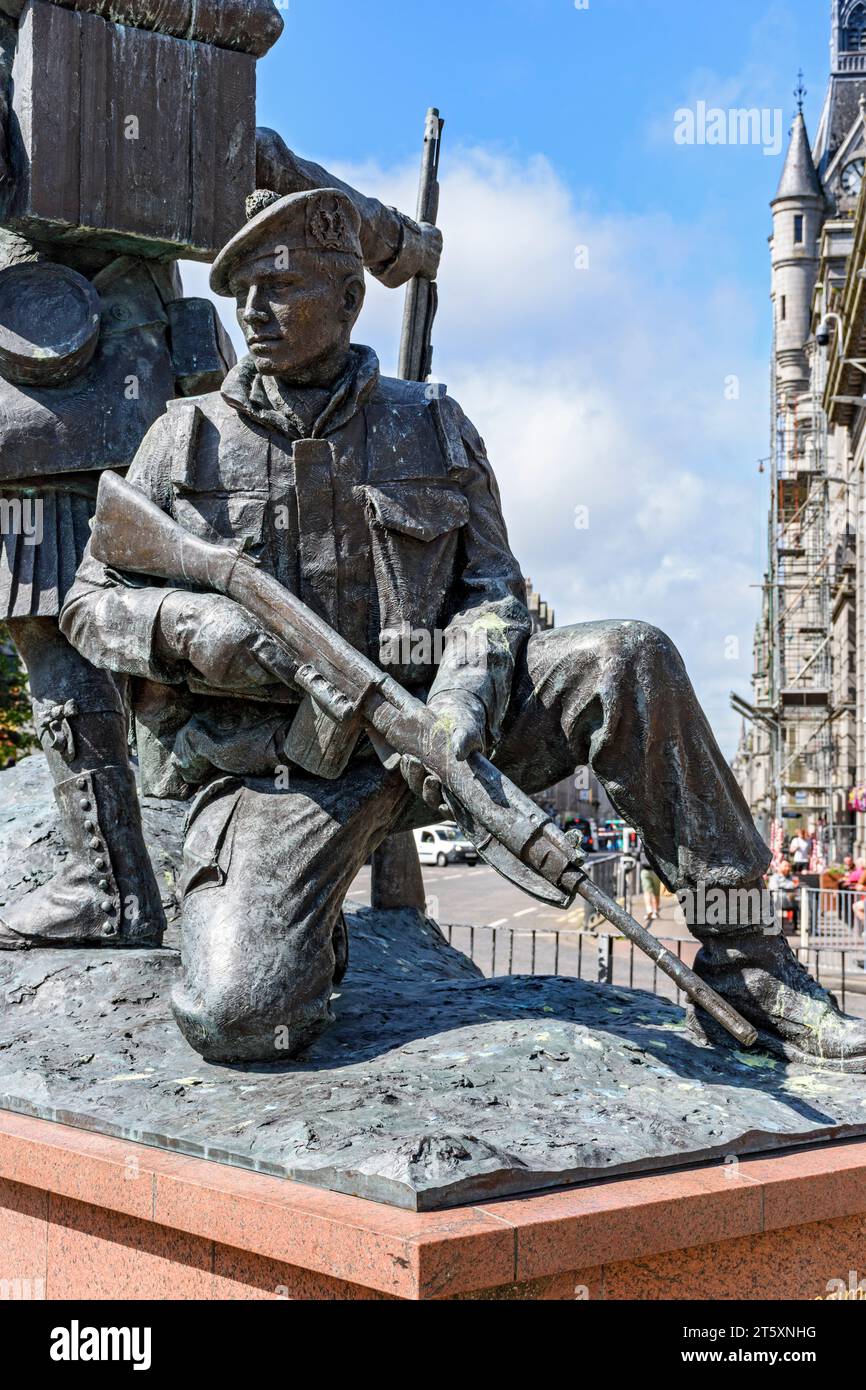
[298, 313]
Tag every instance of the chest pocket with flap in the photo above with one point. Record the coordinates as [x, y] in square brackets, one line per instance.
[415, 533]
[206, 501]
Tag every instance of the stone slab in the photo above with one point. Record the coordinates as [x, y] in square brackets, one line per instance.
[435, 1087]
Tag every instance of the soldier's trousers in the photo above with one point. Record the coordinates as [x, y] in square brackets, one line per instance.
[266, 870]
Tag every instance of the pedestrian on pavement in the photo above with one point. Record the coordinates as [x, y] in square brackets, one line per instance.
[783, 886]
[855, 879]
[651, 888]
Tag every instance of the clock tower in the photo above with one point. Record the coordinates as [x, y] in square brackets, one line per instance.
[840, 147]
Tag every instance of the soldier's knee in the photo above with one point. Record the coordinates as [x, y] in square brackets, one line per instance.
[604, 651]
[637, 642]
[255, 986]
[225, 1025]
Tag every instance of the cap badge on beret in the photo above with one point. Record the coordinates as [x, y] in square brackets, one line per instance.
[327, 225]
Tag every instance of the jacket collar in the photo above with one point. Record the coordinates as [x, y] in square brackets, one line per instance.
[244, 390]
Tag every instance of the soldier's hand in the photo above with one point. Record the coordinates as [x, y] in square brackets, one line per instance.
[464, 719]
[431, 243]
[225, 646]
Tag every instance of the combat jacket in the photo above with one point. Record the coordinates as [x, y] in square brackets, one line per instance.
[382, 514]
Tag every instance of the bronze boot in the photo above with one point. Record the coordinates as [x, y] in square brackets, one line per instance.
[796, 1018]
[106, 893]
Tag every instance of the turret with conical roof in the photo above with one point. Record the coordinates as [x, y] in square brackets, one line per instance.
[799, 176]
[798, 215]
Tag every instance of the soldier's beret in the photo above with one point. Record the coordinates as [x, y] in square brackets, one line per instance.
[323, 220]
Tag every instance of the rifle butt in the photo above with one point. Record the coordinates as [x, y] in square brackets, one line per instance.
[130, 532]
[416, 350]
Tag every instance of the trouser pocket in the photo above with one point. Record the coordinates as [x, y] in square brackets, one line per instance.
[207, 846]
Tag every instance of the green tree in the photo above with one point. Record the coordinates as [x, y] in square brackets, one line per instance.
[16, 725]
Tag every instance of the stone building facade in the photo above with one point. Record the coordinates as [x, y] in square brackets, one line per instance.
[801, 756]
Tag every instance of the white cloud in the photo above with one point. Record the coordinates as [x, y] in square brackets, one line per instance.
[602, 388]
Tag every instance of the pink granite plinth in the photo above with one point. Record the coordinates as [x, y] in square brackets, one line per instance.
[88, 1217]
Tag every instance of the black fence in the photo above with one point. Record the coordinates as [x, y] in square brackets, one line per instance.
[614, 960]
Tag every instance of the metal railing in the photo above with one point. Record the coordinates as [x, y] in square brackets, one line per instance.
[615, 874]
[828, 917]
[823, 917]
[606, 958]
[826, 932]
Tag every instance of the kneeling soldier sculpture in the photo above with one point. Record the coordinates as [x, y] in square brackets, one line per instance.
[371, 506]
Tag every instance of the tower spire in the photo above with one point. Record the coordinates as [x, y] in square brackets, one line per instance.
[799, 176]
[798, 212]
[800, 92]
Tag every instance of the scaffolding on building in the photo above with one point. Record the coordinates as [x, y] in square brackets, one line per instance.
[793, 680]
[794, 677]
[802, 763]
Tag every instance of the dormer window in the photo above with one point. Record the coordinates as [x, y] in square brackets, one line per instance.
[855, 30]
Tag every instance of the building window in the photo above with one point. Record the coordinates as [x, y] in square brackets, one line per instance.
[798, 229]
[784, 309]
[855, 32]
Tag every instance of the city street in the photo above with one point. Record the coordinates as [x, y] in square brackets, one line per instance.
[460, 895]
[506, 932]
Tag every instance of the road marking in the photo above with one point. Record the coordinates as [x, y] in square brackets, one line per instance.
[526, 911]
[501, 923]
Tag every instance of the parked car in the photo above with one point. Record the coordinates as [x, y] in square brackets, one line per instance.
[444, 844]
[615, 835]
[586, 831]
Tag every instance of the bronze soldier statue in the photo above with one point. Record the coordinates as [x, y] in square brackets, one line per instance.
[93, 218]
[373, 500]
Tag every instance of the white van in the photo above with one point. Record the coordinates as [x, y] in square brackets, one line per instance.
[444, 844]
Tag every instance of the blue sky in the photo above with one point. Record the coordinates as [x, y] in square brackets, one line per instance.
[609, 388]
[585, 88]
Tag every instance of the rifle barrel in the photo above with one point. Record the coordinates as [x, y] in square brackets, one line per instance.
[428, 188]
[416, 347]
[683, 977]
